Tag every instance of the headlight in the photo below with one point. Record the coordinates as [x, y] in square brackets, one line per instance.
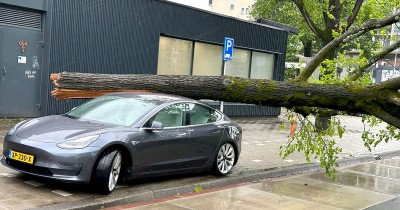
[15, 128]
[78, 143]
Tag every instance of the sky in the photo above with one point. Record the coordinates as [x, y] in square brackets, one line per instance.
[202, 4]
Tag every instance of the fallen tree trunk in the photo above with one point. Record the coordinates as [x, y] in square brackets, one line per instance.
[379, 100]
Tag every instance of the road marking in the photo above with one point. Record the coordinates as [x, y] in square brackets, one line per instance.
[260, 144]
[245, 142]
[289, 160]
[256, 161]
[34, 183]
[8, 175]
[62, 193]
[267, 141]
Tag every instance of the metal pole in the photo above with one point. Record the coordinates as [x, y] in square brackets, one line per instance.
[221, 107]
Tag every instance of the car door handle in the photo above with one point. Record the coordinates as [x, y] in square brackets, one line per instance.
[4, 71]
[215, 132]
[182, 134]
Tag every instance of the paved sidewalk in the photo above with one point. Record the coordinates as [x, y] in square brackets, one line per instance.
[259, 159]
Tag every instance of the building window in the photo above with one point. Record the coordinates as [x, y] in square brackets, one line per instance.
[244, 11]
[207, 59]
[209, 2]
[262, 66]
[239, 66]
[185, 57]
[174, 56]
[232, 6]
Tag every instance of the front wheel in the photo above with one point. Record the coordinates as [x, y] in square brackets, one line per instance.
[225, 159]
[107, 171]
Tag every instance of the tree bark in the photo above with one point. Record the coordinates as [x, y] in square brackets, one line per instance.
[347, 98]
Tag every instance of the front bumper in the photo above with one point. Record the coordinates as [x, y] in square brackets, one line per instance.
[74, 165]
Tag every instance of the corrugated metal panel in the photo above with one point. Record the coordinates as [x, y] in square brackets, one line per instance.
[20, 18]
[242, 110]
[122, 37]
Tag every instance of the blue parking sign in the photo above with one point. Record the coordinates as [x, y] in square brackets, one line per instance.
[228, 49]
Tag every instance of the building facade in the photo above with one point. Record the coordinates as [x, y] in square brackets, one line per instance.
[234, 8]
[41, 37]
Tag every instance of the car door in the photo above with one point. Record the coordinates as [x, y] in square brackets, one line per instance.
[164, 149]
[206, 132]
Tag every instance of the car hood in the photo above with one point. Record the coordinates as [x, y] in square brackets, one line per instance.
[59, 128]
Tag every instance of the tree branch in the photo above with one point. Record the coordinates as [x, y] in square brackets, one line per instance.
[314, 28]
[392, 84]
[354, 13]
[348, 35]
[377, 111]
[335, 9]
[377, 56]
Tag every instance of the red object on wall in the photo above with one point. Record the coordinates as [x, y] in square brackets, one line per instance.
[22, 45]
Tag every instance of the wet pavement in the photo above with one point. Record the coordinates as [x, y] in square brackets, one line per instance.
[259, 159]
[373, 185]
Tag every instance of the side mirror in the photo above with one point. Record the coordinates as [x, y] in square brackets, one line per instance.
[155, 125]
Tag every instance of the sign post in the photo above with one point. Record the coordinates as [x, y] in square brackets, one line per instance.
[227, 56]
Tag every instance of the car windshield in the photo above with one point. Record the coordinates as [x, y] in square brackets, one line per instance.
[115, 110]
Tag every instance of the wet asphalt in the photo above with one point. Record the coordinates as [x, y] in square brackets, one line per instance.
[259, 160]
[374, 185]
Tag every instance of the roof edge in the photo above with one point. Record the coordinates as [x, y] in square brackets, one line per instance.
[290, 29]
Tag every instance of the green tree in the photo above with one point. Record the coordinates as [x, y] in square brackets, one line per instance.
[338, 25]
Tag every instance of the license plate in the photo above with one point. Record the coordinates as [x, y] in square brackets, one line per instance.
[19, 156]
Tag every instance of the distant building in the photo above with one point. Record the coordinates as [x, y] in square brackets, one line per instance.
[235, 8]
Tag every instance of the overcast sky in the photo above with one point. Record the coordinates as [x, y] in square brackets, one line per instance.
[202, 4]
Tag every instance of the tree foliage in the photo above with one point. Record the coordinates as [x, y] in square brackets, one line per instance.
[334, 27]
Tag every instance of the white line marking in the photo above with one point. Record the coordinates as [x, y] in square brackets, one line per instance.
[289, 161]
[33, 183]
[267, 141]
[256, 161]
[245, 142]
[8, 175]
[62, 193]
[260, 144]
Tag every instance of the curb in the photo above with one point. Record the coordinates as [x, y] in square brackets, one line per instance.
[236, 178]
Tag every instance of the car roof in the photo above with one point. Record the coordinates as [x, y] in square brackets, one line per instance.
[162, 97]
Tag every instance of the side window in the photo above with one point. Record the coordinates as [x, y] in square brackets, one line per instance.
[202, 115]
[171, 116]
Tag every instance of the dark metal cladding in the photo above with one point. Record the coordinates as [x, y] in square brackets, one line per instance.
[122, 37]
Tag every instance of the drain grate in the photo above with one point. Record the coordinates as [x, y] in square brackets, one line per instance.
[376, 157]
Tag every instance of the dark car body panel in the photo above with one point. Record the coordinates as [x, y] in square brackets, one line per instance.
[186, 148]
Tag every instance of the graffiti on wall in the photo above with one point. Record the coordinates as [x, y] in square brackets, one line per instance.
[389, 74]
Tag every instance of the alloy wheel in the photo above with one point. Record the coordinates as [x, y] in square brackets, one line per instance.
[225, 158]
[115, 171]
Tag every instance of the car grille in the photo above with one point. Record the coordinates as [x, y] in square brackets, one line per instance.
[29, 168]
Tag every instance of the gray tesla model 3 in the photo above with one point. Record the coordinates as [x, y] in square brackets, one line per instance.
[122, 136]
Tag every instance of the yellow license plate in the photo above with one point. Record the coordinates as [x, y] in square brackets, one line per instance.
[20, 156]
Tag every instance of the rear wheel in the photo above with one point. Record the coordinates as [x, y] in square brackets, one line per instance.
[107, 171]
[225, 159]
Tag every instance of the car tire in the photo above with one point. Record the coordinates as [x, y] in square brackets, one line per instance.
[225, 159]
[107, 171]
